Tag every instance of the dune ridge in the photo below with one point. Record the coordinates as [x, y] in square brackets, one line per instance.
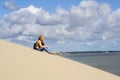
[21, 63]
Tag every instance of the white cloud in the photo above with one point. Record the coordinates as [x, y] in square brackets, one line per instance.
[80, 27]
[33, 10]
[9, 5]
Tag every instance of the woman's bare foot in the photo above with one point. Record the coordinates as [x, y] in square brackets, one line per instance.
[53, 53]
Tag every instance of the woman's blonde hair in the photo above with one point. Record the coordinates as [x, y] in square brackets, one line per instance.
[41, 37]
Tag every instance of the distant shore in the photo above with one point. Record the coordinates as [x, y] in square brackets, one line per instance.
[80, 52]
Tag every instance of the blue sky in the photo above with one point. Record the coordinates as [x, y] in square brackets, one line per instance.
[68, 25]
[46, 4]
[51, 5]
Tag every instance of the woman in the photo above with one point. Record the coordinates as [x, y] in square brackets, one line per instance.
[40, 45]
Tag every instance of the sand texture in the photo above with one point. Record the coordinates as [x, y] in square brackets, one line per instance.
[21, 63]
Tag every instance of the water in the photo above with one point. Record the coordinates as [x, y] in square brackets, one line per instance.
[107, 61]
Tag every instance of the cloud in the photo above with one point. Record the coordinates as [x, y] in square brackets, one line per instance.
[9, 5]
[84, 26]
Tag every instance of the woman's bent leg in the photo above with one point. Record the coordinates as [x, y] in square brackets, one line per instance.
[40, 49]
[46, 49]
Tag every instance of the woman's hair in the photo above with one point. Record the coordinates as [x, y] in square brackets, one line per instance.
[41, 38]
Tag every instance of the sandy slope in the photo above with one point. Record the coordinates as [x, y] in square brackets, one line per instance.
[21, 63]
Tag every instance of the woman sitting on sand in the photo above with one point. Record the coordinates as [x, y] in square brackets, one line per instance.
[40, 45]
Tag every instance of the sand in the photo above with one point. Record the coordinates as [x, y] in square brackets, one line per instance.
[21, 63]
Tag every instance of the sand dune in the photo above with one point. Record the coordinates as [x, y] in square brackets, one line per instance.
[21, 63]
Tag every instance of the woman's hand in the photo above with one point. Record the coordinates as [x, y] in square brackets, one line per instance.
[46, 46]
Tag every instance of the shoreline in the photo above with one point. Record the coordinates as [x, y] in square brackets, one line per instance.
[105, 61]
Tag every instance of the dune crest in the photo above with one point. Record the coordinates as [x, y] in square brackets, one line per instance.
[21, 63]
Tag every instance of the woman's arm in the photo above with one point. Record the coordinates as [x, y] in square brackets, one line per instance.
[40, 44]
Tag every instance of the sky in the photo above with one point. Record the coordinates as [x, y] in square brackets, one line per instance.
[68, 25]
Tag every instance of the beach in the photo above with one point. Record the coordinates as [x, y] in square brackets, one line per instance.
[18, 62]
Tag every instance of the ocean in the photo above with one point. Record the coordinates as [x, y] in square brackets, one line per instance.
[107, 61]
